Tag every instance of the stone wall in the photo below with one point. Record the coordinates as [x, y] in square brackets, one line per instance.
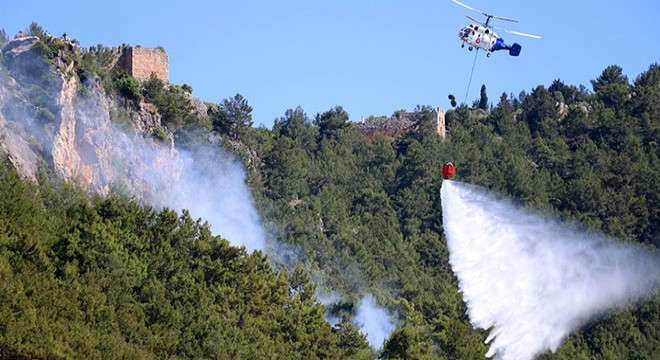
[398, 124]
[391, 127]
[141, 62]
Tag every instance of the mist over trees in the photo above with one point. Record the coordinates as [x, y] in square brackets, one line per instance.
[90, 277]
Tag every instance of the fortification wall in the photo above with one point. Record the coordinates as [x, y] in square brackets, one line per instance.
[398, 124]
[141, 62]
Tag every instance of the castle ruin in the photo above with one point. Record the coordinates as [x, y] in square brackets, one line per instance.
[398, 124]
[141, 62]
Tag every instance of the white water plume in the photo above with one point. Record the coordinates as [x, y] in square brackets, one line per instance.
[533, 280]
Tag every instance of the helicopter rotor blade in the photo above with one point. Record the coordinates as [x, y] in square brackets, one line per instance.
[503, 18]
[523, 34]
[467, 6]
[483, 13]
[477, 21]
[517, 32]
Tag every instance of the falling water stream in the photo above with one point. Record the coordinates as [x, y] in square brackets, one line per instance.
[530, 279]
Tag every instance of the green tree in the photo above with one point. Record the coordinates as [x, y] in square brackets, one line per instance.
[541, 113]
[296, 125]
[129, 87]
[233, 117]
[483, 99]
[153, 89]
[331, 122]
[611, 86]
[570, 94]
[174, 106]
[36, 30]
[408, 343]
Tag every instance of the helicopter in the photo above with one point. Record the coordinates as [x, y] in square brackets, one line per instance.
[481, 36]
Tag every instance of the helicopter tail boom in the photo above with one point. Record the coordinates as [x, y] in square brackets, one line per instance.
[514, 50]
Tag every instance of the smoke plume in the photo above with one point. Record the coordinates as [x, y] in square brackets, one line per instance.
[373, 321]
[206, 181]
[532, 280]
[213, 187]
[84, 145]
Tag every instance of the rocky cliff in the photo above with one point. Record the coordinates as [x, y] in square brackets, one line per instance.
[50, 117]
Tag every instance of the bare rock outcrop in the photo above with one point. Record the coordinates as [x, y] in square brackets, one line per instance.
[13, 137]
[17, 47]
[199, 108]
[44, 119]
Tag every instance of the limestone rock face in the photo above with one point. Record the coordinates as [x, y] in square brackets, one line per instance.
[18, 46]
[45, 121]
[198, 106]
[82, 139]
[13, 139]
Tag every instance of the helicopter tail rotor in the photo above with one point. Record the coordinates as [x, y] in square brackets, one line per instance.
[515, 49]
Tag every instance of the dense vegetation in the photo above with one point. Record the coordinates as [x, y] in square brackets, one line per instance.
[374, 206]
[107, 277]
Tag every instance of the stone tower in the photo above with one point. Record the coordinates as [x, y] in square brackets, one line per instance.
[440, 120]
[141, 62]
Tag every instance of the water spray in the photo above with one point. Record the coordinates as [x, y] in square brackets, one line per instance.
[530, 279]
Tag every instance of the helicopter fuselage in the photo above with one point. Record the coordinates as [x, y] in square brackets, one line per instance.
[484, 38]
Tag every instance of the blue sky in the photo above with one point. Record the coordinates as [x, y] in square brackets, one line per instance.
[371, 57]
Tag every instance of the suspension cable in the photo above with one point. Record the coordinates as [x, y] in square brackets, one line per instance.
[471, 73]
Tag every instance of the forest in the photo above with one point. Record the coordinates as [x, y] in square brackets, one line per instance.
[84, 276]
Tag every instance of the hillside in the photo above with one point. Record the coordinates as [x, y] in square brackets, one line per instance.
[347, 216]
[590, 157]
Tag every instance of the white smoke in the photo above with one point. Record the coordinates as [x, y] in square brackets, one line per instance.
[164, 177]
[373, 321]
[207, 182]
[213, 187]
[532, 280]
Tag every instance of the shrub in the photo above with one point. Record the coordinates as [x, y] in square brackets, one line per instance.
[129, 87]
